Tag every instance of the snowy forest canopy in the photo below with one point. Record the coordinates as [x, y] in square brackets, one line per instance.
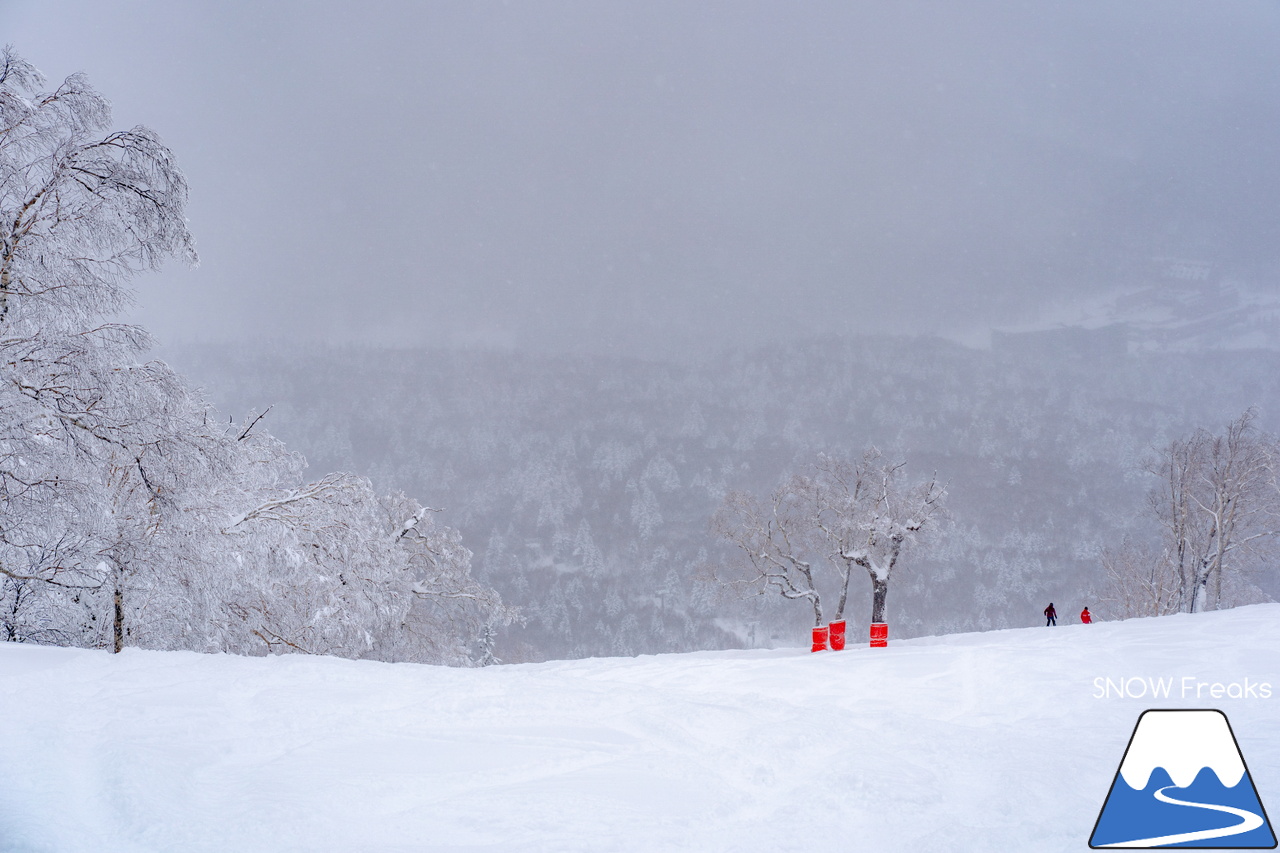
[587, 484]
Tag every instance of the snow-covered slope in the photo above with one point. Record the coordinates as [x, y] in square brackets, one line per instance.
[971, 742]
[1171, 316]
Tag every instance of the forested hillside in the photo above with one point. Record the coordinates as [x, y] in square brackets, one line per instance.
[586, 485]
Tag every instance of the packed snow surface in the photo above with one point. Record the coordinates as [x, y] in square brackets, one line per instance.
[971, 742]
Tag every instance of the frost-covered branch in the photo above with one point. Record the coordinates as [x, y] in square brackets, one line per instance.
[289, 506]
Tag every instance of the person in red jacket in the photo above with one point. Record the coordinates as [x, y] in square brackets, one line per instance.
[1050, 615]
[1085, 616]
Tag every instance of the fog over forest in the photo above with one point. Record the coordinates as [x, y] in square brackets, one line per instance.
[643, 178]
[586, 487]
[572, 273]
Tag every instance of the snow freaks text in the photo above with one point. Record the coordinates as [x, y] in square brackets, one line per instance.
[1178, 687]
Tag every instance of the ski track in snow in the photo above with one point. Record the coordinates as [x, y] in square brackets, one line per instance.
[968, 742]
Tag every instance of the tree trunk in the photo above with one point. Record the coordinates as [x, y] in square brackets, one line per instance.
[879, 591]
[1199, 593]
[844, 593]
[118, 623]
[817, 610]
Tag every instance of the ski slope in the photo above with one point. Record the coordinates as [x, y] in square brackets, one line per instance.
[970, 742]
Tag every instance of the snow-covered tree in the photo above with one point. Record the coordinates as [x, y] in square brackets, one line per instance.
[259, 561]
[868, 517]
[778, 541]
[1217, 505]
[129, 515]
[81, 210]
[839, 515]
[1140, 582]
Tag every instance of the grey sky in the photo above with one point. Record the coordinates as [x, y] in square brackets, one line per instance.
[648, 177]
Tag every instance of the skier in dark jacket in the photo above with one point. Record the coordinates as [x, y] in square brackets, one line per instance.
[1050, 615]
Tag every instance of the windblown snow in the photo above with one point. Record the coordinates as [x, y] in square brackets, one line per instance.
[972, 742]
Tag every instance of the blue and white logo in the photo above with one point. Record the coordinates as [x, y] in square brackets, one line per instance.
[1183, 783]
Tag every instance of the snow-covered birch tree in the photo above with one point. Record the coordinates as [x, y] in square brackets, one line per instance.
[82, 209]
[128, 516]
[1140, 582]
[1218, 504]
